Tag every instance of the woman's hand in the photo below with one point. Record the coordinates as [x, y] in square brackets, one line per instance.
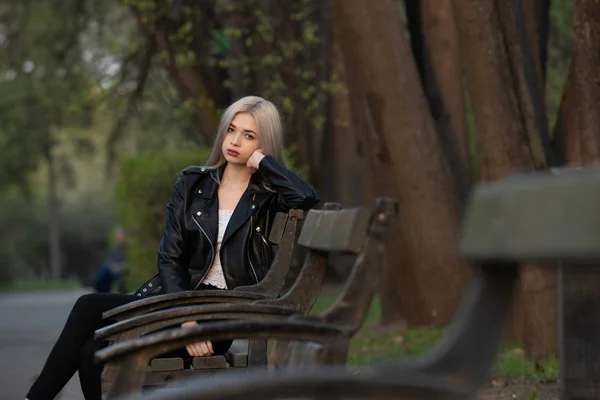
[200, 349]
[255, 159]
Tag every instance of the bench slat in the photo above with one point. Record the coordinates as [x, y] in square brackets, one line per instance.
[237, 355]
[166, 364]
[335, 231]
[537, 216]
[212, 362]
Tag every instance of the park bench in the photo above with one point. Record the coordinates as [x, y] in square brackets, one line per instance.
[298, 299]
[324, 232]
[283, 235]
[550, 217]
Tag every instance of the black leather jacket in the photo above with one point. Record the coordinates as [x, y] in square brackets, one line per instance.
[187, 248]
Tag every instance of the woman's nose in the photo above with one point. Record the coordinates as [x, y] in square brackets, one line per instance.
[235, 140]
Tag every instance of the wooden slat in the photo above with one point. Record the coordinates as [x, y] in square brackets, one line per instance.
[539, 216]
[212, 362]
[580, 327]
[335, 230]
[278, 227]
[237, 356]
[166, 364]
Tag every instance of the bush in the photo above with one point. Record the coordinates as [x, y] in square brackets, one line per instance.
[144, 187]
[23, 239]
[84, 225]
[86, 228]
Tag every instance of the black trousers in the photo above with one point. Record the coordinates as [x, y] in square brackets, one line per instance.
[74, 350]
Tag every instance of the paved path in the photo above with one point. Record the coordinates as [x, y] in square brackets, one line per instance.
[29, 325]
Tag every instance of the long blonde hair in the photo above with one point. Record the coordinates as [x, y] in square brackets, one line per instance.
[268, 122]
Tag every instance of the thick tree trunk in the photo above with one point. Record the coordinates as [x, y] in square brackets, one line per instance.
[390, 111]
[434, 43]
[505, 88]
[577, 132]
[347, 160]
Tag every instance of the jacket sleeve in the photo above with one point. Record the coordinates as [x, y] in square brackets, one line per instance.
[172, 267]
[292, 191]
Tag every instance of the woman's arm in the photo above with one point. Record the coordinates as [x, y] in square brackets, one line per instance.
[292, 191]
[174, 276]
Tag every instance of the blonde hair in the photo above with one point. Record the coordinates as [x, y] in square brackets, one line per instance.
[269, 126]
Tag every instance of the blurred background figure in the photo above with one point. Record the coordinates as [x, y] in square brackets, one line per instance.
[112, 268]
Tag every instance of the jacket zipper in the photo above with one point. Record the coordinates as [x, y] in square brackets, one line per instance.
[212, 248]
[262, 237]
[249, 259]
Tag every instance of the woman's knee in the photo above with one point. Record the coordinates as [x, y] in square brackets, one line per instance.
[89, 348]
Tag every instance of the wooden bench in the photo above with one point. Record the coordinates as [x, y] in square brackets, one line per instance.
[324, 232]
[299, 299]
[550, 217]
[283, 235]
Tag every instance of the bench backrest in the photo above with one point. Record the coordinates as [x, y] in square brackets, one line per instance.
[535, 217]
[316, 235]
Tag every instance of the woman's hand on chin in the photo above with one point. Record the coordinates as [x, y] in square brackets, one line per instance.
[255, 159]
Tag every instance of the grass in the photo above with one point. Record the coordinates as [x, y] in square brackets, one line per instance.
[38, 285]
[372, 345]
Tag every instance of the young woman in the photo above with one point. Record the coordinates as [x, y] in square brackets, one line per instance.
[214, 237]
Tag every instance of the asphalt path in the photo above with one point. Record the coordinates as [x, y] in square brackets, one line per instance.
[29, 325]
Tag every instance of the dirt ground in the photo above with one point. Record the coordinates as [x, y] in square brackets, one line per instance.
[519, 390]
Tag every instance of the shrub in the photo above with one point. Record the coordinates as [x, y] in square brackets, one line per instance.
[83, 225]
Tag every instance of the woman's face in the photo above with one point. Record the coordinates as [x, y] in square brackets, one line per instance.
[241, 139]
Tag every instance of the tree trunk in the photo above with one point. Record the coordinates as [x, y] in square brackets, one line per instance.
[434, 43]
[390, 112]
[577, 132]
[55, 260]
[505, 88]
[346, 159]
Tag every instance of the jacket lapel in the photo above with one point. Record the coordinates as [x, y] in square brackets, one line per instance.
[247, 206]
[205, 205]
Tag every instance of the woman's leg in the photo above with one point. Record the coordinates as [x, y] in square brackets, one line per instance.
[90, 373]
[65, 357]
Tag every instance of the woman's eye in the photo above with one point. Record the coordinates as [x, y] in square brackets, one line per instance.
[249, 137]
[230, 129]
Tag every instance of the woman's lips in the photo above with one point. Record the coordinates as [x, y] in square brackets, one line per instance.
[232, 153]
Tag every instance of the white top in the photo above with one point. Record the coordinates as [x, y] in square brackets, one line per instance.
[215, 275]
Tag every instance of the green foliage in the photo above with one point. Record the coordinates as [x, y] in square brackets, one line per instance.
[42, 83]
[513, 363]
[24, 241]
[144, 187]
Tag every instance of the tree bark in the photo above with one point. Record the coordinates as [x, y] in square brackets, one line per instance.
[506, 92]
[434, 43]
[390, 112]
[577, 133]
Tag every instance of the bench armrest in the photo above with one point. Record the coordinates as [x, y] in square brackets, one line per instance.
[160, 302]
[143, 324]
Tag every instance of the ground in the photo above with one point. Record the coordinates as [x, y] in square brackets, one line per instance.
[30, 322]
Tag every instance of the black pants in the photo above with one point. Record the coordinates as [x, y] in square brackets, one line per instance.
[74, 350]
